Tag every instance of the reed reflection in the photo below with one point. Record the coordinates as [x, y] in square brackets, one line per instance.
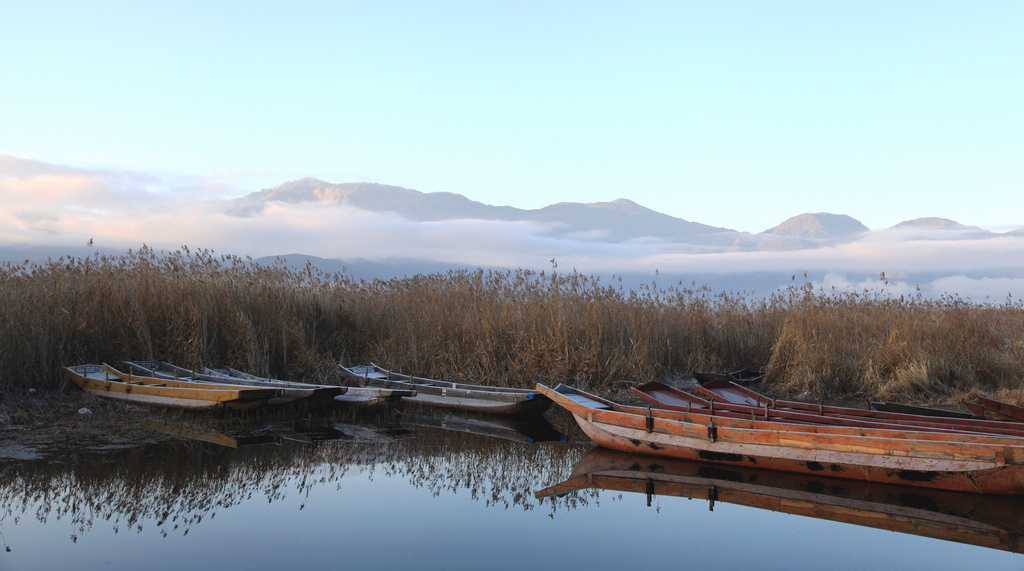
[177, 485]
[995, 522]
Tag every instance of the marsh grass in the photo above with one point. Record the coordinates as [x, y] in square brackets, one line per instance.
[513, 328]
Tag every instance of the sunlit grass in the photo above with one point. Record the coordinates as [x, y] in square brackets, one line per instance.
[513, 328]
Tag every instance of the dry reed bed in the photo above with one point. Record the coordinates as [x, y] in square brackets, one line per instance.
[510, 328]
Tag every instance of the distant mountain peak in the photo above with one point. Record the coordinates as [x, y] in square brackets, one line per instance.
[931, 223]
[819, 226]
[618, 203]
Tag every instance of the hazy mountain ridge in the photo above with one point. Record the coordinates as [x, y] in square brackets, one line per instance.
[618, 221]
[381, 231]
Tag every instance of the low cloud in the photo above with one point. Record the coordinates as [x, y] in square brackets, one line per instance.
[53, 205]
[988, 289]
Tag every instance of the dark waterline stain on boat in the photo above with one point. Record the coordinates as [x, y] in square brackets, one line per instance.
[836, 468]
[815, 466]
[815, 486]
[719, 456]
[720, 474]
[654, 446]
[918, 501]
[916, 476]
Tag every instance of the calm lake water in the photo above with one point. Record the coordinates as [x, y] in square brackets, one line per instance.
[437, 492]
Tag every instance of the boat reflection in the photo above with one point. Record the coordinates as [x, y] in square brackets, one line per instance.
[206, 434]
[526, 430]
[995, 522]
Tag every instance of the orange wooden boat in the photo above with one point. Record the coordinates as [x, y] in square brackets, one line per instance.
[743, 376]
[289, 391]
[671, 398]
[966, 462]
[107, 382]
[369, 397]
[724, 391]
[994, 522]
[888, 406]
[996, 410]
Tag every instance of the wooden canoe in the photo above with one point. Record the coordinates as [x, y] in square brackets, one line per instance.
[978, 463]
[288, 391]
[346, 396]
[742, 377]
[373, 396]
[886, 406]
[996, 410]
[446, 394]
[724, 391]
[106, 382]
[995, 522]
[671, 398]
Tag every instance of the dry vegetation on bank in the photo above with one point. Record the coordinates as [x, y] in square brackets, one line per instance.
[509, 328]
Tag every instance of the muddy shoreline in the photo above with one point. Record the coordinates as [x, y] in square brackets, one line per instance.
[56, 427]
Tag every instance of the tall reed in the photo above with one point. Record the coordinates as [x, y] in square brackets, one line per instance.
[512, 328]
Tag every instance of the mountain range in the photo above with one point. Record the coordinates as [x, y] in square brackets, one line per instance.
[375, 231]
[618, 221]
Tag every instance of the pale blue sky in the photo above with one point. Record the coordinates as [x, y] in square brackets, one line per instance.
[736, 114]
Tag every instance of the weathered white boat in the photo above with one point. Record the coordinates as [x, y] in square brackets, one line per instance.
[289, 391]
[446, 394]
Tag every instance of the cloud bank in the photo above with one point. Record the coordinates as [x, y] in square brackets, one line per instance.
[58, 206]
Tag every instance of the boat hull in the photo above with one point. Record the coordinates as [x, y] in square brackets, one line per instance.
[967, 463]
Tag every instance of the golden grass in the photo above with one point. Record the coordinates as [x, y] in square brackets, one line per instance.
[512, 328]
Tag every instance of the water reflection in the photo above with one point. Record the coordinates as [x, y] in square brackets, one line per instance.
[988, 521]
[443, 492]
[177, 485]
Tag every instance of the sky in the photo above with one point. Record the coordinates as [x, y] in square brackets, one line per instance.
[733, 114]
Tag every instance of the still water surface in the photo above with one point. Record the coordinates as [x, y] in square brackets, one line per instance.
[451, 493]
